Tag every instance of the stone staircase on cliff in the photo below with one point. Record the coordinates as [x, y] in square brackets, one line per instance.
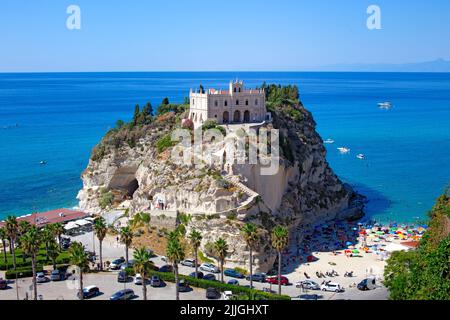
[252, 195]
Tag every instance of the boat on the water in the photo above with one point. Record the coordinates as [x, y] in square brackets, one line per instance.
[385, 105]
[361, 156]
[329, 141]
[344, 149]
[42, 162]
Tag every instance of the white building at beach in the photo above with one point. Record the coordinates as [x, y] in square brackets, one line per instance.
[234, 105]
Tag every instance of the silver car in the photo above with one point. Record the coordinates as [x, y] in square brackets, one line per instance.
[209, 268]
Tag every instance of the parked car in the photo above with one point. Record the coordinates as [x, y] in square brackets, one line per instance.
[89, 292]
[155, 281]
[331, 286]
[233, 282]
[307, 284]
[209, 267]
[125, 294]
[227, 295]
[3, 284]
[183, 286]
[164, 258]
[199, 275]
[209, 277]
[188, 263]
[212, 293]
[138, 280]
[307, 297]
[130, 264]
[233, 273]
[122, 276]
[166, 268]
[41, 278]
[258, 277]
[115, 264]
[274, 280]
[367, 284]
[57, 275]
[268, 290]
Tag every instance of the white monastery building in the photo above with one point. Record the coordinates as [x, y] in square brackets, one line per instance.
[235, 105]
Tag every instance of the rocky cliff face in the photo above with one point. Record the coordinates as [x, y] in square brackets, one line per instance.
[138, 174]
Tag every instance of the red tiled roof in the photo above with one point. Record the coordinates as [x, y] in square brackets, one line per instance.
[53, 216]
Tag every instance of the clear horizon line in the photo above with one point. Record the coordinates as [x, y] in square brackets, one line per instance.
[224, 71]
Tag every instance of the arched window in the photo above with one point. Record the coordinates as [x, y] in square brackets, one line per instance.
[237, 102]
[256, 102]
[225, 103]
[246, 102]
[193, 101]
[234, 89]
[239, 89]
[216, 103]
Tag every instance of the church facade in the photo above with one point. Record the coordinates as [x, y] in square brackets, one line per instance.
[235, 105]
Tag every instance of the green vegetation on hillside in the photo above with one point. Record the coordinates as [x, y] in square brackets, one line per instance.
[424, 274]
[129, 133]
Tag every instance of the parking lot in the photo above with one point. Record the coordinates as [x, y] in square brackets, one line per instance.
[105, 281]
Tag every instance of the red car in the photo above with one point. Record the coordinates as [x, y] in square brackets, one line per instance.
[274, 280]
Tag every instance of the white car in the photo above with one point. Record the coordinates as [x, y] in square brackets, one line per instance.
[227, 295]
[164, 258]
[208, 267]
[138, 279]
[188, 263]
[331, 286]
[41, 278]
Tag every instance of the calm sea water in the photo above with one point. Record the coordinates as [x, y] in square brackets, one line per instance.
[60, 117]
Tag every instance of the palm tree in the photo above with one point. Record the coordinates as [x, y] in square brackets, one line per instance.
[250, 234]
[100, 230]
[79, 257]
[221, 248]
[58, 231]
[140, 219]
[53, 252]
[47, 237]
[195, 238]
[30, 243]
[142, 265]
[280, 239]
[126, 237]
[175, 254]
[22, 228]
[12, 230]
[3, 237]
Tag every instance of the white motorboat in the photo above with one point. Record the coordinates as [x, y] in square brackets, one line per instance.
[385, 105]
[343, 150]
[329, 141]
[361, 156]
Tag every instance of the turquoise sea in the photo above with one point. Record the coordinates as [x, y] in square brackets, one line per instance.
[59, 117]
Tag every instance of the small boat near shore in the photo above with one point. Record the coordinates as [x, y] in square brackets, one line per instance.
[361, 156]
[343, 150]
[329, 141]
[385, 105]
[42, 162]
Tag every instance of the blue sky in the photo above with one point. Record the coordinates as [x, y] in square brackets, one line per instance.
[218, 35]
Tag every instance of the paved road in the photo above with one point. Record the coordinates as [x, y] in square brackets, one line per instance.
[106, 281]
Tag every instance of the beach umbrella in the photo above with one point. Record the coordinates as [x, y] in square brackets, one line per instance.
[348, 243]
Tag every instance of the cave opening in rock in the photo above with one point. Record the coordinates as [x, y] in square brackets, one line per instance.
[131, 187]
